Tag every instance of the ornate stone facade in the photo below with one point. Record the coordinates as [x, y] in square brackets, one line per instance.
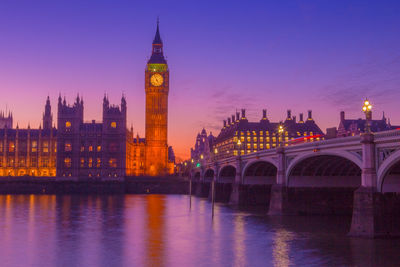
[151, 154]
[28, 152]
[93, 149]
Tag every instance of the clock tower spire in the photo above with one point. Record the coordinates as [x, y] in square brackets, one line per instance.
[156, 88]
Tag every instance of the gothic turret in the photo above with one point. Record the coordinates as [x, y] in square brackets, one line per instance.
[157, 55]
[47, 116]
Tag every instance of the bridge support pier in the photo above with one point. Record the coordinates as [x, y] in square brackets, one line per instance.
[373, 214]
[368, 216]
[236, 197]
[279, 203]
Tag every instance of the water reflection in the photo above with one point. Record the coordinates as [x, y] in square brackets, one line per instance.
[156, 230]
[280, 250]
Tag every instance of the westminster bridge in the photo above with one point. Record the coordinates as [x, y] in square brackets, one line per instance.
[356, 175]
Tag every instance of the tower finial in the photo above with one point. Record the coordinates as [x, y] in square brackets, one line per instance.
[157, 38]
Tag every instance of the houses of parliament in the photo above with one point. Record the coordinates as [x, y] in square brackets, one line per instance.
[106, 149]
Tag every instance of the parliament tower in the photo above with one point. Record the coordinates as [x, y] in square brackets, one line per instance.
[156, 87]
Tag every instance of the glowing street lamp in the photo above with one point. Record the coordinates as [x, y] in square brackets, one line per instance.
[280, 132]
[367, 108]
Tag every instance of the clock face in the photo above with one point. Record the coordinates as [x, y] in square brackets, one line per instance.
[156, 79]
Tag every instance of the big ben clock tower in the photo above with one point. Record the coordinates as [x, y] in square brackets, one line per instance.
[156, 87]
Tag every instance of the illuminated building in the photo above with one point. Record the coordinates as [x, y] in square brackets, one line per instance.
[151, 154]
[351, 127]
[239, 136]
[93, 149]
[28, 152]
[203, 146]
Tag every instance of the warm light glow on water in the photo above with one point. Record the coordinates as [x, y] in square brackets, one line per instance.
[158, 230]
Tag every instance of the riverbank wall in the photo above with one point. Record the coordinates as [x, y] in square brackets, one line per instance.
[127, 185]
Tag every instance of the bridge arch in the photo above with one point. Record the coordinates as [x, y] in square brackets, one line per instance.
[317, 168]
[197, 175]
[227, 174]
[209, 175]
[260, 171]
[389, 174]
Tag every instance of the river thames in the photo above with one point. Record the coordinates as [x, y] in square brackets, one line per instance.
[162, 230]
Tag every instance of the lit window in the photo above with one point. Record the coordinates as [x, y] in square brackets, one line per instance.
[255, 146]
[90, 163]
[113, 124]
[67, 162]
[261, 139]
[112, 162]
[267, 146]
[82, 162]
[235, 152]
[241, 152]
[45, 146]
[11, 146]
[261, 146]
[1, 146]
[242, 139]
[34, 146]
[90, 148]
[254, 139]
[248, 139]
[98, 163]
[67, 124]
[248, 146]
[98, 148]
[68, 147]
[82, 148]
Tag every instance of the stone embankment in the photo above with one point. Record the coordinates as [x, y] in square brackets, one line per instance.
[127, 185]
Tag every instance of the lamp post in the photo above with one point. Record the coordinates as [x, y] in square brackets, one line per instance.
[280, 132]
[367, 108]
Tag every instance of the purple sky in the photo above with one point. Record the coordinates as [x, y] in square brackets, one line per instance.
[223, 55]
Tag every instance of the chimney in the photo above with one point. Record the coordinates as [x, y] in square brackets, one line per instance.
[233, 119]
[237, 116]
[224, 123]
[341, 115]
[310, 115]
[301, 117]
[243, 113]
[294, 119]
[264, 117]
[229, 121]
[289, 114]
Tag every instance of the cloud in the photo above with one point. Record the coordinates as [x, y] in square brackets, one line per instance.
[222, 104]
[378, 80]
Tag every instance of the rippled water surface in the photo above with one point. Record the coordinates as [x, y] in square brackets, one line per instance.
[157, 230]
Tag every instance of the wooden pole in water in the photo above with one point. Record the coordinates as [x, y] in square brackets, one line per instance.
[190, 193]
[212, 198]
